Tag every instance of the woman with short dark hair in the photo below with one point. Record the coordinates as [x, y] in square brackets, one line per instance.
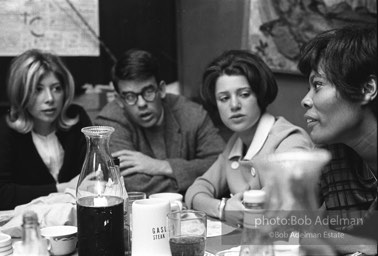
[241, 86]
[341, 114]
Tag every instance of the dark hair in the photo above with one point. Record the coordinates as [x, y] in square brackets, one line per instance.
[136, 65]
[347, 56]
[241, 62]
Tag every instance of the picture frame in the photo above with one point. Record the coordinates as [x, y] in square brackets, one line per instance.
[277, 29]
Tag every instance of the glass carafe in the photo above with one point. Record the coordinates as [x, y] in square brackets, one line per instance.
[292, 203]
[99, 196]
[292, 178]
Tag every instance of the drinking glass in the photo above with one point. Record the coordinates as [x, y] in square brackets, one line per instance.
[187, 233]
[132, 197]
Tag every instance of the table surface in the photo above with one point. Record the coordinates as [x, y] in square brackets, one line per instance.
[221, 236]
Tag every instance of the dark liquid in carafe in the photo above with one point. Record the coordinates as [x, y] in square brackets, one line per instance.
[100, 229]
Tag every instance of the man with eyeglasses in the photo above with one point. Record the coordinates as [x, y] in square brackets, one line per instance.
[164, 141]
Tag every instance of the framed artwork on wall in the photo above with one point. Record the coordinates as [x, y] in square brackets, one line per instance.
[278, 28]
[67, 28]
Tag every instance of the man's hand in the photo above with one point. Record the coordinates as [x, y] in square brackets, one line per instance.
[136, 162]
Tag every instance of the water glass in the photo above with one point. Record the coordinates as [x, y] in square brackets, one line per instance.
[132, 197]
[187, 233]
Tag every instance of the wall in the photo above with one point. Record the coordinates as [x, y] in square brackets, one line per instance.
[291, 90]
[124, 24]
[207, 28]
[203, 29]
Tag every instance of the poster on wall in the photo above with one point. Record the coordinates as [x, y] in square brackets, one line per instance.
[64, 27]
[279, 28]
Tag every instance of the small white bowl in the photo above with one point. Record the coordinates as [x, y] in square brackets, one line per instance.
[63, 239]
[5, 240]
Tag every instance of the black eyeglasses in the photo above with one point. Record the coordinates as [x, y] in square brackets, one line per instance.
[148, 94]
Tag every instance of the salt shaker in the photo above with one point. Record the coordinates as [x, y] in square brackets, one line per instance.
[32, 243]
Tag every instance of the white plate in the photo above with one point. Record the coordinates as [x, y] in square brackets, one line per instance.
[6, 253]
[5, 240]
[217, 228]
[5, 248]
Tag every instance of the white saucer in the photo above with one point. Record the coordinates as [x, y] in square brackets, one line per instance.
[5, 248]
[6, 253]
[5, 240]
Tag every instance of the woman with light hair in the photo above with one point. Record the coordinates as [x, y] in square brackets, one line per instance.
[41, 145]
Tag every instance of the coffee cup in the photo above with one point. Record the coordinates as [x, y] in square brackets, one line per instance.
[149, 225]
[175, 199]
[63, 239]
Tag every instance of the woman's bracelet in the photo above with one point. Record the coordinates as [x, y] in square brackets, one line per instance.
[221, 207]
